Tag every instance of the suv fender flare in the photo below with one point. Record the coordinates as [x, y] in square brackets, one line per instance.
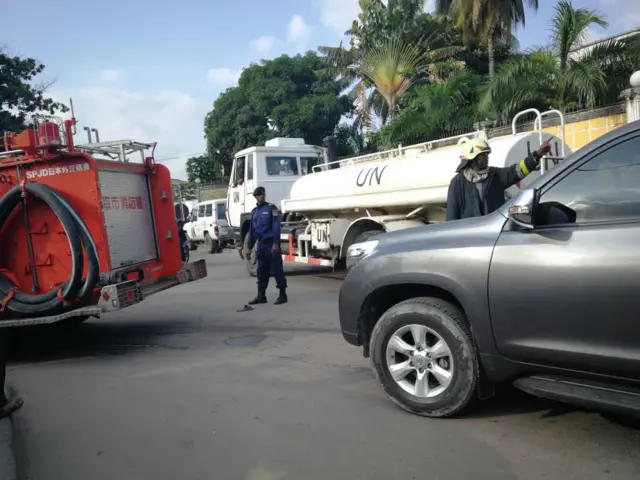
[475, 306]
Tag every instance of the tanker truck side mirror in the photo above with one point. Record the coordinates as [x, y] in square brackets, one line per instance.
[331, 144]
[522, 210]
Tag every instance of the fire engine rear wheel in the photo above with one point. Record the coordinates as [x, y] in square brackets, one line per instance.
[212, 245]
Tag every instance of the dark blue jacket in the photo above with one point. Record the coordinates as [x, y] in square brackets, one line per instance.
[265, 224]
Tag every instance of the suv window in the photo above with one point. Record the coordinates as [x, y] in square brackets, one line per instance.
[604, 189]
[201, 211]
[208, 212]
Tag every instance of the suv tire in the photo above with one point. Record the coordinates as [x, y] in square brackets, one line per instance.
[445, 322]
[212, 245]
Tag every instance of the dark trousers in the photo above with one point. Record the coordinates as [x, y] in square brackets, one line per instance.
[183, 240]
[3, 366]
[268, 262]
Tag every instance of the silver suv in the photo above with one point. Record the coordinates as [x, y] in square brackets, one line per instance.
[544, 293]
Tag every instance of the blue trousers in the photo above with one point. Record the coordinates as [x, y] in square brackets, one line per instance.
[183, 240]
[269, 262]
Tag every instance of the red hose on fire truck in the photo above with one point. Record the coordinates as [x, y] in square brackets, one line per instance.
[84, 230]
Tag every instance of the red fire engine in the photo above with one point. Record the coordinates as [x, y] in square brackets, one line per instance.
[84, 229]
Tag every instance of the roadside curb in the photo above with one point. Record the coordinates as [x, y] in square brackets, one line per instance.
[7, 457]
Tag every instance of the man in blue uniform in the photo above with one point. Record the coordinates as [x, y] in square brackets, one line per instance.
[265, 230]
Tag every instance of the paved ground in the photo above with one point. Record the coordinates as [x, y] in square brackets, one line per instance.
[185, 387]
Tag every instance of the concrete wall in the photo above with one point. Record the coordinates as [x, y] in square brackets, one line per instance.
[581, 132]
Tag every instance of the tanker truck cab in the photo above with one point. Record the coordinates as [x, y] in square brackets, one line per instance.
[275, 166]
[541, 293]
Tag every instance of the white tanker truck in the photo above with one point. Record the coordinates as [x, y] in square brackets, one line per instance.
[329, 205]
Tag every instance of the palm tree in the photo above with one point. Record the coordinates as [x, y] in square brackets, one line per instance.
[560, 75]
[436, 111]
[490, 20]
[390, 68]
[393, 67]
[389, 42]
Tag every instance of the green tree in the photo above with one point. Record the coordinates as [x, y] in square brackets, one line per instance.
[352, 141]
[280, 97]
[435, 111]
[186, 189]
[202, 167]
[492, 21]
[396, 20]
[554, 76]
[19, 96]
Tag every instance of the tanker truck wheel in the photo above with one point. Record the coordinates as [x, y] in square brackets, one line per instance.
[212, 245]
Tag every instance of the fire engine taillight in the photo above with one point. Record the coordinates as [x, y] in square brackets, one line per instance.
[216, 230]
[49, 134]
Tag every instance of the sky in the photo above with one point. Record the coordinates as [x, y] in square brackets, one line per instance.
[141, 70]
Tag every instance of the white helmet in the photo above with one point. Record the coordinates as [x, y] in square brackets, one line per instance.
[471, 148]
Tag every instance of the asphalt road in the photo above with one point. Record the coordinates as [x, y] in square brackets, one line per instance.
[185, 387]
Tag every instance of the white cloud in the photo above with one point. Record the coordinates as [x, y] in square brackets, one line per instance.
[223, 77]
[111, 75]
[263, 44]
[173, 119]
[298, 30]
[338, 15]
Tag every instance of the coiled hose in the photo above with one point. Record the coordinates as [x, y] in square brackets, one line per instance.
[75, 291]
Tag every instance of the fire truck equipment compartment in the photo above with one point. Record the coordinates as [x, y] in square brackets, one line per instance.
[78, 237]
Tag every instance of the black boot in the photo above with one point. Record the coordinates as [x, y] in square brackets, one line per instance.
[260, 298]
[282, 298]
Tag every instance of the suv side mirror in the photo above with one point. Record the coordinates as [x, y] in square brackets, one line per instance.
[522, 210]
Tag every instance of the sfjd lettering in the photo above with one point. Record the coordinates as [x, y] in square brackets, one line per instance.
[121, 203]
[52, 171]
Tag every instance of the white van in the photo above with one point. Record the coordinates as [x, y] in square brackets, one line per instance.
[208, 224]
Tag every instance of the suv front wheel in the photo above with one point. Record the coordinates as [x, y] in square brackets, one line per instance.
[424, 357]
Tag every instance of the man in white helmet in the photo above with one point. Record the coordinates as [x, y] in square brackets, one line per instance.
[478, 189]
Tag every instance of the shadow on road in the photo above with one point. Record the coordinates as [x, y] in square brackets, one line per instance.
[511, 401]
[57, 342]
[107, 338]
